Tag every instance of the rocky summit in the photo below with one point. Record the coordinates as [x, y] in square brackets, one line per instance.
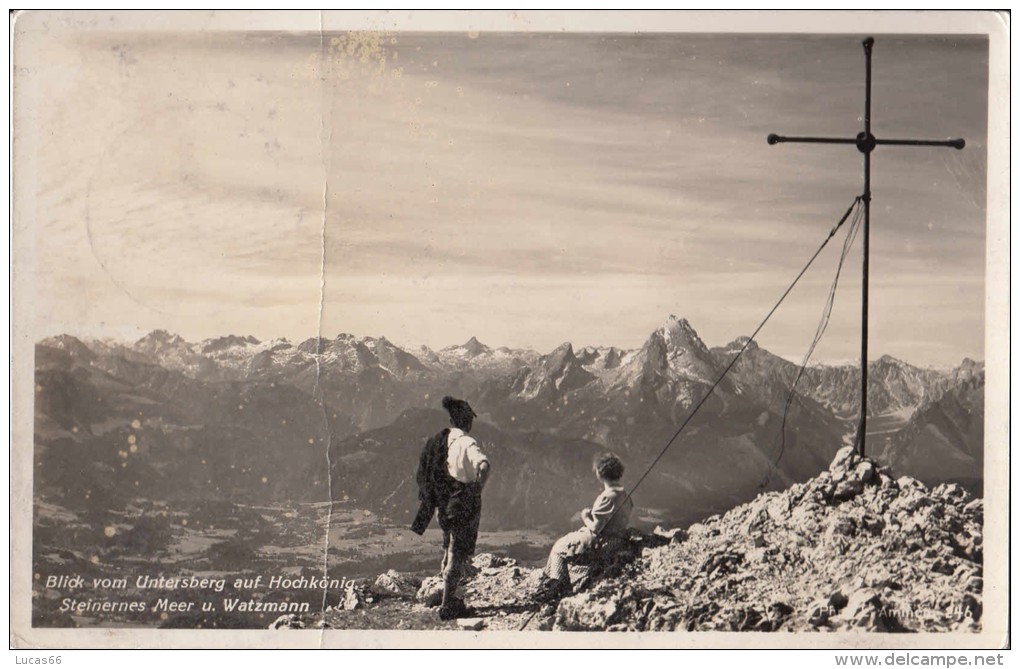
[852, 549]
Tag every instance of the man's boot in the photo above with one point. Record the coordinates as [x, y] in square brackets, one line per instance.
[551, 590]
[452, 606]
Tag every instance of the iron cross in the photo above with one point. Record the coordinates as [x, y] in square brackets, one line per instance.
[866, 143]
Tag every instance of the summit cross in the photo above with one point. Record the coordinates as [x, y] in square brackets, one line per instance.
[866, 143]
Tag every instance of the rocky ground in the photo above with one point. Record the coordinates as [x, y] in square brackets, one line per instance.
[851, 549]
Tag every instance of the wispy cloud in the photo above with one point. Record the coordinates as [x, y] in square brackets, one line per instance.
[515, 187]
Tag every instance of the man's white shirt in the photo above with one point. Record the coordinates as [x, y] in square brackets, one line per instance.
[464, 457]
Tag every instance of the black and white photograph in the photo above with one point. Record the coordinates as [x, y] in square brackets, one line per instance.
[480, 327]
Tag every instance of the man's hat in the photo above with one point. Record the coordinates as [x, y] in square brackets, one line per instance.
[458, 408]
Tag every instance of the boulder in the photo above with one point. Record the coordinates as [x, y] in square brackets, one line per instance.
[975, 509]
[880, 576]
[673, 536]
[775, 615]
[354, 598]
[840, 526]
[743, 619]
[950, 491]
[819, 613]
[837, 601]
[431, 591]
[873, 524]
[967, 544]
[850, 473]
[909, 484]
[864, 471]
[585, 612]
[287, 622]
[490, 561]
[887, 482]
[842, 462]
[395, 584]
[721, 563]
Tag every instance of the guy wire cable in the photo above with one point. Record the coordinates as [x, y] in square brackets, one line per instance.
[823, 324]
[704, 398]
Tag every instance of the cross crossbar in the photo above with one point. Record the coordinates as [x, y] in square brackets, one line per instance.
[953, 143]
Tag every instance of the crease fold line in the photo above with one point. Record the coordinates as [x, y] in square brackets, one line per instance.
[325, 144]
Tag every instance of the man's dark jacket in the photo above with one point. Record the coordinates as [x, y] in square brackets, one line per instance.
[433, 480]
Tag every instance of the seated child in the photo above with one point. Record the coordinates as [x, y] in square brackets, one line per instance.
[606, 520]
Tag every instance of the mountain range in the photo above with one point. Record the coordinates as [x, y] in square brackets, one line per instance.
[344, 418]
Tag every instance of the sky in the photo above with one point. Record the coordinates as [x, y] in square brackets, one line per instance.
[526, 189]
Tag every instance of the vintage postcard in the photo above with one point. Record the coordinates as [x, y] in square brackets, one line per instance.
[509, 329]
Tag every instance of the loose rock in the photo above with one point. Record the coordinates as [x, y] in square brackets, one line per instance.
[395, 584]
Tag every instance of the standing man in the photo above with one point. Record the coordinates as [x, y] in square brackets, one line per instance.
[454, 485]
